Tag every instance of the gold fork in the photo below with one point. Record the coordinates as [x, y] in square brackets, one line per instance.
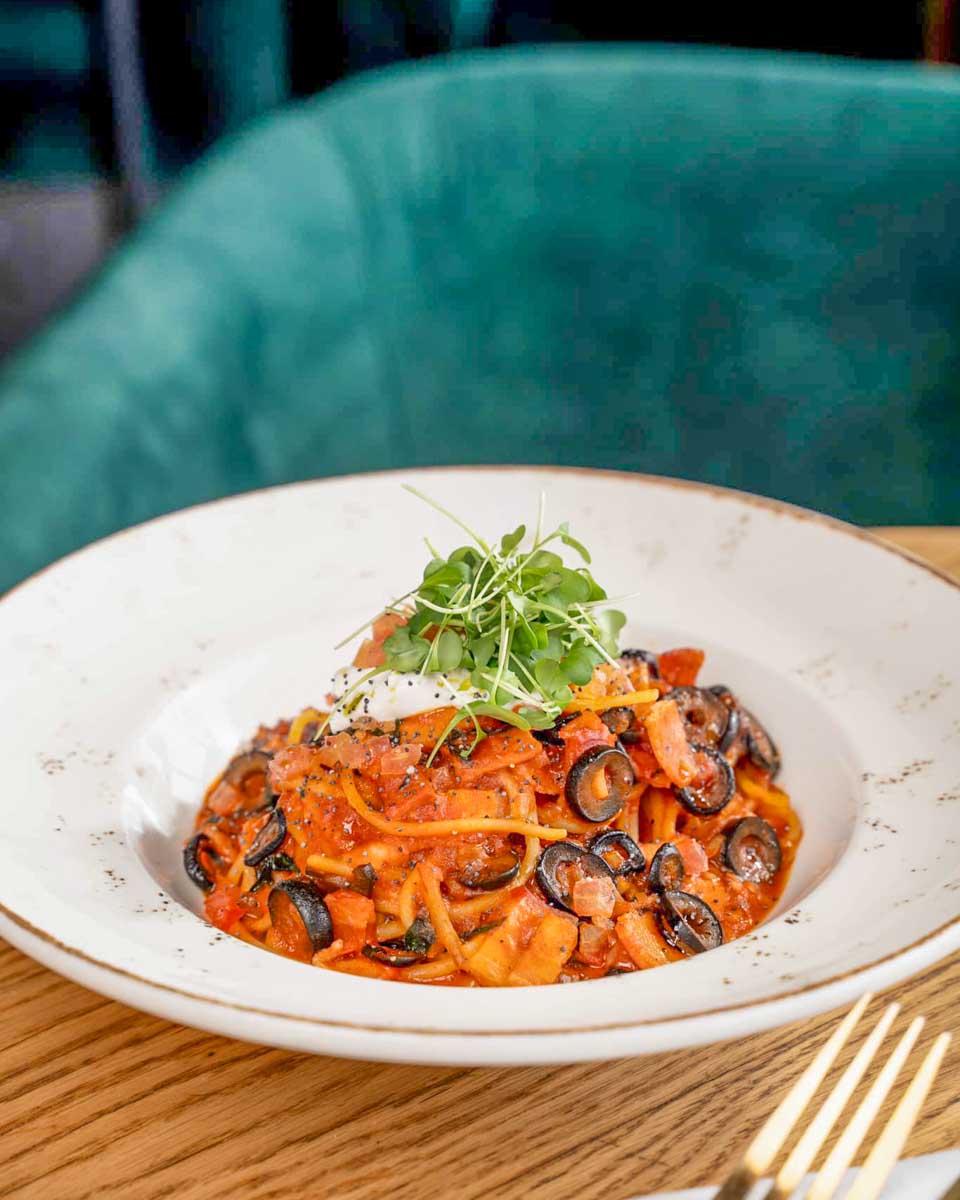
[763, 1150]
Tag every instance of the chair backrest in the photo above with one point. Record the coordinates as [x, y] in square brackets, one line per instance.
[727, 266]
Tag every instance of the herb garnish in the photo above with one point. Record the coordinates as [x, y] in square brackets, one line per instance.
[523, 625]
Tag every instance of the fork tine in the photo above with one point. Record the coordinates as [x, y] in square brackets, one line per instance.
[876, 1170]
[805, 1151]
[765, 1146]
[841, 1156]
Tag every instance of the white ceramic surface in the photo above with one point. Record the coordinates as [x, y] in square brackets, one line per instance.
[133, 669]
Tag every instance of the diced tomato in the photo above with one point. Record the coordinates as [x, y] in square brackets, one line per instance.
[578, 735]
[681, 667]
[594, 897]
[668, 740]
[550, 947]
[642, 940]
[645, 766]
[504, 749]
[386, 624]
[694, 856]
[354, 919]
[371, 653]
[222, 908]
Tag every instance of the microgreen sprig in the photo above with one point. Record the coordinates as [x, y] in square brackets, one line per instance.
[523, 624]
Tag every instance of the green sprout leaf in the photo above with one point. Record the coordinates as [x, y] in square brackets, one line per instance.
[521, 624]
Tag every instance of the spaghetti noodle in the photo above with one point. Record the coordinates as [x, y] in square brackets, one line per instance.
[643, 826]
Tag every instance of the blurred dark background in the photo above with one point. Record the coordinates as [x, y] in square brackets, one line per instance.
[104, 102]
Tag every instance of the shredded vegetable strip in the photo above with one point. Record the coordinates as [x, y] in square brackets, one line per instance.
[320, 864]
[407, 905]
[390, 929]
[602, 703]
[437, 969]
[477, 904]
[416, 829]
[439, 916]
[300, 724]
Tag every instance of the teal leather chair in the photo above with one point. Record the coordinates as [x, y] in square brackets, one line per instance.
[727, 266]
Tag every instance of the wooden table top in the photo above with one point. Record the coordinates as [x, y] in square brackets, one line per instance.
[98, 1100]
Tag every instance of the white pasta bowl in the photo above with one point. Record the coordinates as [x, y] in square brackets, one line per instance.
[133, 669]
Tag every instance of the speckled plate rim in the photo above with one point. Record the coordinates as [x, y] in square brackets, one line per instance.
[714, 1023]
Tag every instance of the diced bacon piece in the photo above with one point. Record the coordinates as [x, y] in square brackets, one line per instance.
[396, 760]
[594, 896]
[694, 856]
[681, 667]
[354, 919]
[668, 740]
[289, 765]
[361, 752]
[596, 940]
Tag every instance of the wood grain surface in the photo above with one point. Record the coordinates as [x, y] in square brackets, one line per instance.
[97, 1100]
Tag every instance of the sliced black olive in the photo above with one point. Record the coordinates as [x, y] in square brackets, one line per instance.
[704, 714]
[715, 792]
[600, 764]
[276, 862]
[734, 725]
[192, 863]
[495, 872]
[563, 854]
[331, 883]
[633, 862]
[391, 956]
[363, 879]
[652, 661]
[550, 737]
[269, 838]
[667, 869]
[752, 850]
[244, 765]
[760, 745]
[311, 908]
[420, 936]
[688, 924]
[619, 720]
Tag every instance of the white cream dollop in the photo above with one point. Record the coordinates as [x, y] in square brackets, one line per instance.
[393, 695]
